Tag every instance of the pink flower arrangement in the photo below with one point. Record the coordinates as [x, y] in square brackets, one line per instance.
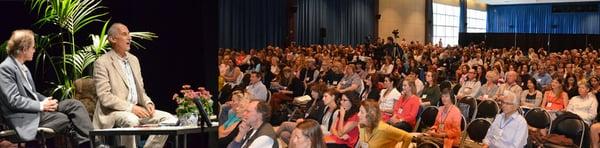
[185, 103]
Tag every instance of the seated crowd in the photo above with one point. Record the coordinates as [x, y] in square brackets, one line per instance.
[372, 95]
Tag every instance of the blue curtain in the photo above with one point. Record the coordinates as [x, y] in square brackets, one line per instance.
[539, 18]
[245, 24]
[345, 21]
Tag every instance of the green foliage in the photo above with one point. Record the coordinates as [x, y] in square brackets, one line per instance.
[3, 50]
[71, 16]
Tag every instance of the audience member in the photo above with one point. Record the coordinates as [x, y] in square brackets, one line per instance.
[376, 133]
[307, 134]
[509, 128]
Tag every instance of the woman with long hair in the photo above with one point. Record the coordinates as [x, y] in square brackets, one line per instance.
[371, 87]
[406, 108]
[307, 134]
[570, 85]
[388, 97]
[431, 92]
[375, 132]
[344, 132]
[531, 97]
[555, 99]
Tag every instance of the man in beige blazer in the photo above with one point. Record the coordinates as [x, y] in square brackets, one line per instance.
[122, 100]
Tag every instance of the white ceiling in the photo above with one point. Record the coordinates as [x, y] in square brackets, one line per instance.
[505, 2]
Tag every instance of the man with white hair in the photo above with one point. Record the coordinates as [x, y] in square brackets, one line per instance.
[510, 85]
[509, 129]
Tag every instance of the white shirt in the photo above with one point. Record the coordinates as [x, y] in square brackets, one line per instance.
[470, 88]
[132, 97]
[508, 132]
[25, 72]
[585, 108]
[387, 69]
[387, 101]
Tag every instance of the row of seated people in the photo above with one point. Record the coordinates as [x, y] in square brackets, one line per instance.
[388, 83]
[365, 126]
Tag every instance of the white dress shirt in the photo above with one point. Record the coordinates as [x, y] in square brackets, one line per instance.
[584, 107]
[508, 132]
[132, 97]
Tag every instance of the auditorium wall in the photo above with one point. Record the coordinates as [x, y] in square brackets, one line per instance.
[406, 16]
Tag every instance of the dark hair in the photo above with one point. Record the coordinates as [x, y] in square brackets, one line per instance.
[354, 99]
[320, 88]
[434, 76]
[393, 80]
[312, 129]
[264, 109]
[449, 93]
[258, 74]
[566, 80]
[535, 83]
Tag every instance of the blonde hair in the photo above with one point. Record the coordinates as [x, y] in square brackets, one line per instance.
[493, 75]
[19, 40]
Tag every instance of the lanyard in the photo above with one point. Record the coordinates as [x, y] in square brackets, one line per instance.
[510, 120]
[444, 115]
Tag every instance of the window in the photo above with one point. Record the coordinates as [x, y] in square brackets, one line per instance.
[476, 21]
[445, 24]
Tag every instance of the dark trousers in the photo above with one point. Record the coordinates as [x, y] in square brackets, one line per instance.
[71, 118]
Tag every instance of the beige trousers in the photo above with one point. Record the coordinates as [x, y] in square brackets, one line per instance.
[128, 119]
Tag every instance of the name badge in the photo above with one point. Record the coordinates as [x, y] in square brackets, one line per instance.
[549, 104]
[424, 96]
[335, 82]
[400, 111]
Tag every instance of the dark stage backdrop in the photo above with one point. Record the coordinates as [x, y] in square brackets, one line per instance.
[245, 24]
[184, 53]
[335, 21]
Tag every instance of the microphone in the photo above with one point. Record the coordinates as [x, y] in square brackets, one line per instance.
[203, 115]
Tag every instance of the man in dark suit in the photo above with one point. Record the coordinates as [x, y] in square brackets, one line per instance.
[24, 109]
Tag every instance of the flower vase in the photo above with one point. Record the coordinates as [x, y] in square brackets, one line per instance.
[188, 119]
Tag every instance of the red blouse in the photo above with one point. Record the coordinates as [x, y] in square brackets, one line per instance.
[407, 109]
[353, 134]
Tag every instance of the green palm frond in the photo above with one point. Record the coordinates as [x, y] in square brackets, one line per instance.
[3, 50]
[71, 15]
[80, 60]
[144, 36]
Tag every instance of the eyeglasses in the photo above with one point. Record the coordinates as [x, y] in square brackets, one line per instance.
[506, 103]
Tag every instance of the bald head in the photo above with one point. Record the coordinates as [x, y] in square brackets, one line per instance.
[119, 38]
[511, 77]
[113, 29]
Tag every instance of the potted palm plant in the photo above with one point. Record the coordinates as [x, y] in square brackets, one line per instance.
[71, 16]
